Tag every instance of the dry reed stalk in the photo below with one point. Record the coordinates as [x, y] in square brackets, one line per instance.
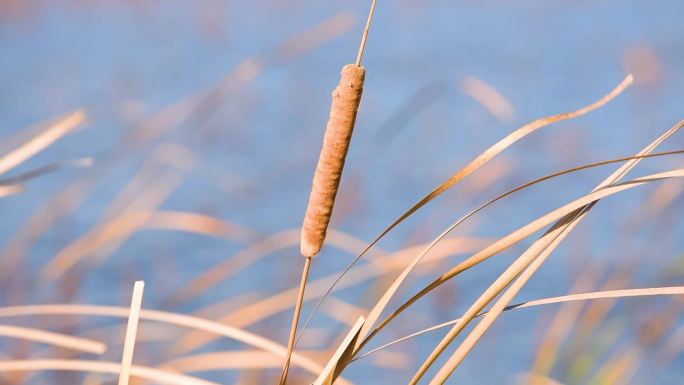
[152, 128]
[528, 261]
[177, 319]
[282, 301]
[59, 206]
[198, 223]
[658, 201]
[559, 328]
[346, 99]
[474, 259]
[143, 372]
[489, 97]
[55, 339]
[619, 368]
[103, 240]
[146, 333]
[41, 141]
[131, 332]
[227, 360]
[534, 378]
[19, 180]
[525, 266]
[564, 299]
[254, 252]
[11, 190]
[570, 313]
[250, 68]
[417, 102]
[341, 355]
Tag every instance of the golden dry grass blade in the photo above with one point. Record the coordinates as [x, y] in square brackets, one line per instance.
[228, 360]
[119, 227]
[526, 265]
[618, 369]
[197, 223]
[47, 169]
[343, 311]
[163, 121]
[260, 310]
[505, 143]
[111, 233]
[478, 162]
[653, 206]
[41, 141]
[466, 264]
[491, 99]
[596, 295]
[254, 252]
[295, 320]
[200, 102]
[131, 333]
[164, 156]
[560, 327]
[537, 379]
[11, 189]
[55, 339]
[147, 332]
[382, 303]
[244, 336]
[143, 372]
[341, 355]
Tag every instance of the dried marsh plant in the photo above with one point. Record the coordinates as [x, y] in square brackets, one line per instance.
[244, 333]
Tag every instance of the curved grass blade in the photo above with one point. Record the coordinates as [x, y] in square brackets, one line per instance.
[244, 336]
[41, 141]
[151, 374]
[392, 289]
[342, 355]
[527, 263]
[597, 295]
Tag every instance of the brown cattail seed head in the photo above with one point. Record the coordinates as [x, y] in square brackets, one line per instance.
[345, 104]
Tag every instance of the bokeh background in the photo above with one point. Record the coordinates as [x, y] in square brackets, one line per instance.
[204, 122]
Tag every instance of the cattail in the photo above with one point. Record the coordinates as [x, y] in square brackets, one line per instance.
[345, 104]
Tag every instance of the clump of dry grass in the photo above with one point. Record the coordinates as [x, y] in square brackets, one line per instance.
[131, 212]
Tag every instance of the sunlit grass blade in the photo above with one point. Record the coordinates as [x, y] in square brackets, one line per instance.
[472, 261]
[341, 356]
[41, 141]
[382, 303]
[228, 360]
[597, 295]
[142, 372]
[191, 322]
[47, 169]
[281, 301]
[526, 265]
[56, 339]
[131, 333]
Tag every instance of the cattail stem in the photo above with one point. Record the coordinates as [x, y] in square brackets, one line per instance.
[295, 320]
[362, 46]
